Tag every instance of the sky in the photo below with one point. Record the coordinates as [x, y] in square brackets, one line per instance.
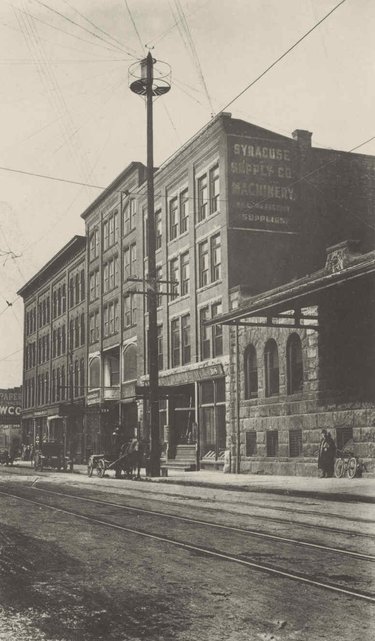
[66, 110]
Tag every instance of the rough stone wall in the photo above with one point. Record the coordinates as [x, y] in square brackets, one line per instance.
[309, 410]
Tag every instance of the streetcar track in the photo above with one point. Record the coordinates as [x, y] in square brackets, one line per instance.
[273, 519]
[201, 550]
[231, 528]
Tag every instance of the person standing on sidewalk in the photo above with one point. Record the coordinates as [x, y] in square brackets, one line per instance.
[326, 458]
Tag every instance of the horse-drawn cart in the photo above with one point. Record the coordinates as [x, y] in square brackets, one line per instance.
[127, 461]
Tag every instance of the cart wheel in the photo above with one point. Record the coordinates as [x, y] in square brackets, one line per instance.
[339, 468]
[101, 468]
[352, 467]
[90, 469]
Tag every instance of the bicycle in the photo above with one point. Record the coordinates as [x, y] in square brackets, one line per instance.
[346, 464]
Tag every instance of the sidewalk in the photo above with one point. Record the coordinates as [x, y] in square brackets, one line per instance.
[361, 490]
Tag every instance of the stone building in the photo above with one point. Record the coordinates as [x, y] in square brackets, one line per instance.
[303, 359]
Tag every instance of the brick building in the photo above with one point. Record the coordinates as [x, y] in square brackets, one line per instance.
[237, 204]
[10, 420]
[54, 376]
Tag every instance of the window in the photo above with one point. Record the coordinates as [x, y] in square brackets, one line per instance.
[205, 342]
[76, 378]
[130, 310]
[175, 342]
[174, 277]
[251, 372]
[294, 364]
[94, 372]
[130, 261]
[94, 285]
[83, 288]
[217, 331]
[202, 198]
[71, 333]
[295, 442]
[158, 230]
[203, 263]
[272, 443]
[105, 235]
[271, 366]
[184, 211]
[185, 274]
[173, 219]
[106, 278]
[77, 283]
[110, 230]
[251, 443]
[129, 363]
[214, 190]
[76, 331]
[215, 258]
[110, 274]
[94, 327]
[82, 377]
[71, 293]
[159, 276]
[185, 339]
[129, 212]
[159, 338]
[94, 244]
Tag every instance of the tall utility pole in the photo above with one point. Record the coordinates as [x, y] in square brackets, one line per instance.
[149, 85]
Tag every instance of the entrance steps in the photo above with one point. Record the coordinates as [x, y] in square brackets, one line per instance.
[185, 460]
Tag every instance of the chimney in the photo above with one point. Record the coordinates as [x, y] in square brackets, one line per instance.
[303, 139]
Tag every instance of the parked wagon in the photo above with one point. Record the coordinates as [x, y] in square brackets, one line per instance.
[5, 458]
[127, 461]
[51, 455]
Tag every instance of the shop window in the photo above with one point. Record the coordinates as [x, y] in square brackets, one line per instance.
[271, 367]
[294, 364]
[251, 372]
[272, 443]
[295, 442]
[129, 363]
[251, 443]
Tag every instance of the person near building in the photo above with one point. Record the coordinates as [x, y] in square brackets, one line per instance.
[326, 458]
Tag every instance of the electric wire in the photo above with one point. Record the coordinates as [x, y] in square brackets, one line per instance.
[95, 35]
[93, 24]
[193, 51]
[72, 35]
[134, 25]
[275, 62]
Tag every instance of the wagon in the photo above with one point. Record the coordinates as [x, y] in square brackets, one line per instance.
[5, 459]
[128, 462]
[51, 455]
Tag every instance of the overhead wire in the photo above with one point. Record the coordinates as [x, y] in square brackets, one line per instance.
[283, 55]
[193, 51]
[93, 24]
[72, 35]
[56, 97]
[95, 35]
[134, 25]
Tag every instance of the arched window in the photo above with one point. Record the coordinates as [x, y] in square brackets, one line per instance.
[94, 371]
[251, 372]
[129, 363]
[271, 368]
[294, 364]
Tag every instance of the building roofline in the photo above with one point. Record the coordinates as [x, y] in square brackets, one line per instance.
[77, 242]
[297, 291]
[135, 164]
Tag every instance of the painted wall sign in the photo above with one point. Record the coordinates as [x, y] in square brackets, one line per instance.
[10, 406]
[262, 194]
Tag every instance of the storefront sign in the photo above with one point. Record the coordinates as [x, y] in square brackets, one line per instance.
[262, 193]
[190, 376]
